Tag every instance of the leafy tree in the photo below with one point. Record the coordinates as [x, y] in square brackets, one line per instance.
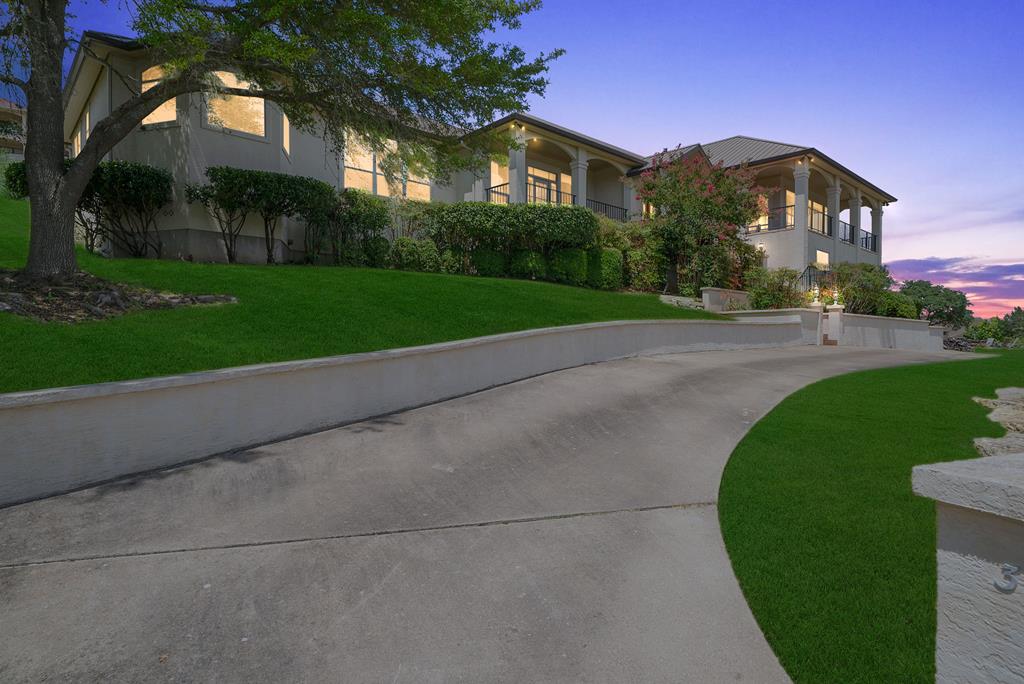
[1012, 324]
[418, 73]
[776, 288]
[939, 304]
[861, 288]
[699, 209]
[228, 199]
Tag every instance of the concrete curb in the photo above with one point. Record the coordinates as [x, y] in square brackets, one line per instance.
[56, 440]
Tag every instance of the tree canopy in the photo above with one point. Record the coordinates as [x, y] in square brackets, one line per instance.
[938, 303]
[425, 75]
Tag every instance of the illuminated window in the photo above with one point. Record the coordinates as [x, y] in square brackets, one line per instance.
[76, 142]
[240, 113]
[286, 134]
[167, 111]
[821, 259]
[363, 172]
[85, 125]
[499, 173]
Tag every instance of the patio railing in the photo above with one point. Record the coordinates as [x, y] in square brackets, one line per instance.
[868, 241]
[609, 210]
[780, 218]
[497, 194]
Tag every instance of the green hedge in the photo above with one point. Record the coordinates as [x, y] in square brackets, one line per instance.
[489, 263]
[508, 228]
[409, 254]
[527, 265]
[604, 268]
[568, 266]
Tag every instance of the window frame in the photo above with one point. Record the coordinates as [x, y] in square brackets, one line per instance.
[207, 124]
[286, 135]
[154, 125]
[377, 177]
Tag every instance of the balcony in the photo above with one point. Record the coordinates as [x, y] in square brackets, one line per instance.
[538, 193]
[783, 218]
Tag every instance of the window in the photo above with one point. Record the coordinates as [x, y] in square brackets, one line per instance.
[167, 112]
[76, 142]
[85, 126]
[499, 174]
[821, 259]
[240, 113]
[817, 217]
[363, 172]
[286, 134]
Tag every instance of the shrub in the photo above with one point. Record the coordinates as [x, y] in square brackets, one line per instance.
[512, 227]
[611, 233]
[489, 263]
[861, 287]
[376, 251]
[410, 254]
[319, 207]
[408, 218]
[527, 264]
[777, 288]
[568, 266]
[644, 270]
[16, 179]
[228, 199]
[276, 195]
[454, 260]
[896, 305]
[604, 268]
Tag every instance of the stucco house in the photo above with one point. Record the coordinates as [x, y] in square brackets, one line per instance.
[550, 164]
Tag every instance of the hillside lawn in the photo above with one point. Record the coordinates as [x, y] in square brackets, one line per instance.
[283, 313]
[834, 552]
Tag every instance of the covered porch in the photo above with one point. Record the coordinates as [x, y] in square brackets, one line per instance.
[551, 165]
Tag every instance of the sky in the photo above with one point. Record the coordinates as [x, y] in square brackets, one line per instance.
[923, 99]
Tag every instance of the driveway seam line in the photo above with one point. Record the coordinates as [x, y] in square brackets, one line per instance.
[356, 535]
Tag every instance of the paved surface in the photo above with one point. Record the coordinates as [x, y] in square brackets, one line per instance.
[560, 529]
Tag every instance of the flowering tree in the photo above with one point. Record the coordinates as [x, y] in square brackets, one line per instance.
[699, 210]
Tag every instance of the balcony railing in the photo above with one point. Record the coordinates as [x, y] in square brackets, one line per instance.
[868, 241]
[780, 218]
[819, 222]
[845, 232]
[497, 194]
[537, 193]
[609, 210]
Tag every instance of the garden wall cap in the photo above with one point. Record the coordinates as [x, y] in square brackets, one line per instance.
[994, 484]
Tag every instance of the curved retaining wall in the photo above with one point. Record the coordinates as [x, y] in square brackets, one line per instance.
[60, 439]
[889, 333]
[810, 319]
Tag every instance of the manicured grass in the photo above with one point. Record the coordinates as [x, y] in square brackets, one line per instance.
[284, 312]
[835, 554]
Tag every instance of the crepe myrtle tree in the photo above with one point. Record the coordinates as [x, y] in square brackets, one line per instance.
[697, 207]
[417, 73]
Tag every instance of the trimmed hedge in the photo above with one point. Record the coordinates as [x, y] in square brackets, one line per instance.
[489, 263]
[508, 228]
[527, 265]
[568, 266]
[604, 268]
[409, 254]
[455, 261]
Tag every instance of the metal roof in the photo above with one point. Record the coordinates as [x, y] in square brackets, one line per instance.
[742, 148]
[567, 133]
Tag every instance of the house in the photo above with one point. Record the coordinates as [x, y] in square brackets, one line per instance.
[549, 164]
[12, 139]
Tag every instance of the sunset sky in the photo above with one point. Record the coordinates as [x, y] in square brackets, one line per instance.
[924, 99]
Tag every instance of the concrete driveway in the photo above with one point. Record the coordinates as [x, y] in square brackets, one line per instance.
[559, 529]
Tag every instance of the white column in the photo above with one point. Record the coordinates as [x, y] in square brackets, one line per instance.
[579, 177]
[517, 168]
[833, 216]
[801, 188]
[876, 227]
[855, 219]
[628, 195]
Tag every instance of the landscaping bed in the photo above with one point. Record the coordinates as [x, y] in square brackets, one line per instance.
[283, 313]
[834, 553]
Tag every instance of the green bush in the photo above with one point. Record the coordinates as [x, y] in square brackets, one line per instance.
[568, 266]
[776, 288]
[861, 287]
[489, 263]
[527, 265]
[644, 269]
[410, 254]
[375, 251]
[512, 227]
[612, 233]
[604, 268]
[454, 260]
[896, 305]
[16, 179]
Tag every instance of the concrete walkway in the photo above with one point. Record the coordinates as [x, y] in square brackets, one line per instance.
[560, 529]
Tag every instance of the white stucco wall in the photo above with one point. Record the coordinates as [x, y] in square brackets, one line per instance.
[882, 332]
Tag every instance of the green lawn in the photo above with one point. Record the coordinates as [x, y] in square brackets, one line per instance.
[835, 554]
[284, 312]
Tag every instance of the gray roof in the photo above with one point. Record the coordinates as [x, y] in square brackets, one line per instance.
[742, 148]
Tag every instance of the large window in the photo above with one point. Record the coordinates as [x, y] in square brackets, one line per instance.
[239, 113]
[363, 172]
[286, 134]
[168, 111]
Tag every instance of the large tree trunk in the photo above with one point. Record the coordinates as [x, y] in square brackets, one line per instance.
[51, 251]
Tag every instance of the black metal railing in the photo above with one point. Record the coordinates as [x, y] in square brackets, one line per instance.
[779, 218]
[845, 232]
[819, 222]
[609, 210]
[497, 194]
[540, 193]
[814, 276]
[868, 241]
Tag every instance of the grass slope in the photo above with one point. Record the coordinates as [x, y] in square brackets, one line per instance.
[835, 554]
[284, 312]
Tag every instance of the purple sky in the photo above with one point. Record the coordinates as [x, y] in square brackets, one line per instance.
[924, 99]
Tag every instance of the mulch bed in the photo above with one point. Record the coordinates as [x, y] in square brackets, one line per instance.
[84, 297]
